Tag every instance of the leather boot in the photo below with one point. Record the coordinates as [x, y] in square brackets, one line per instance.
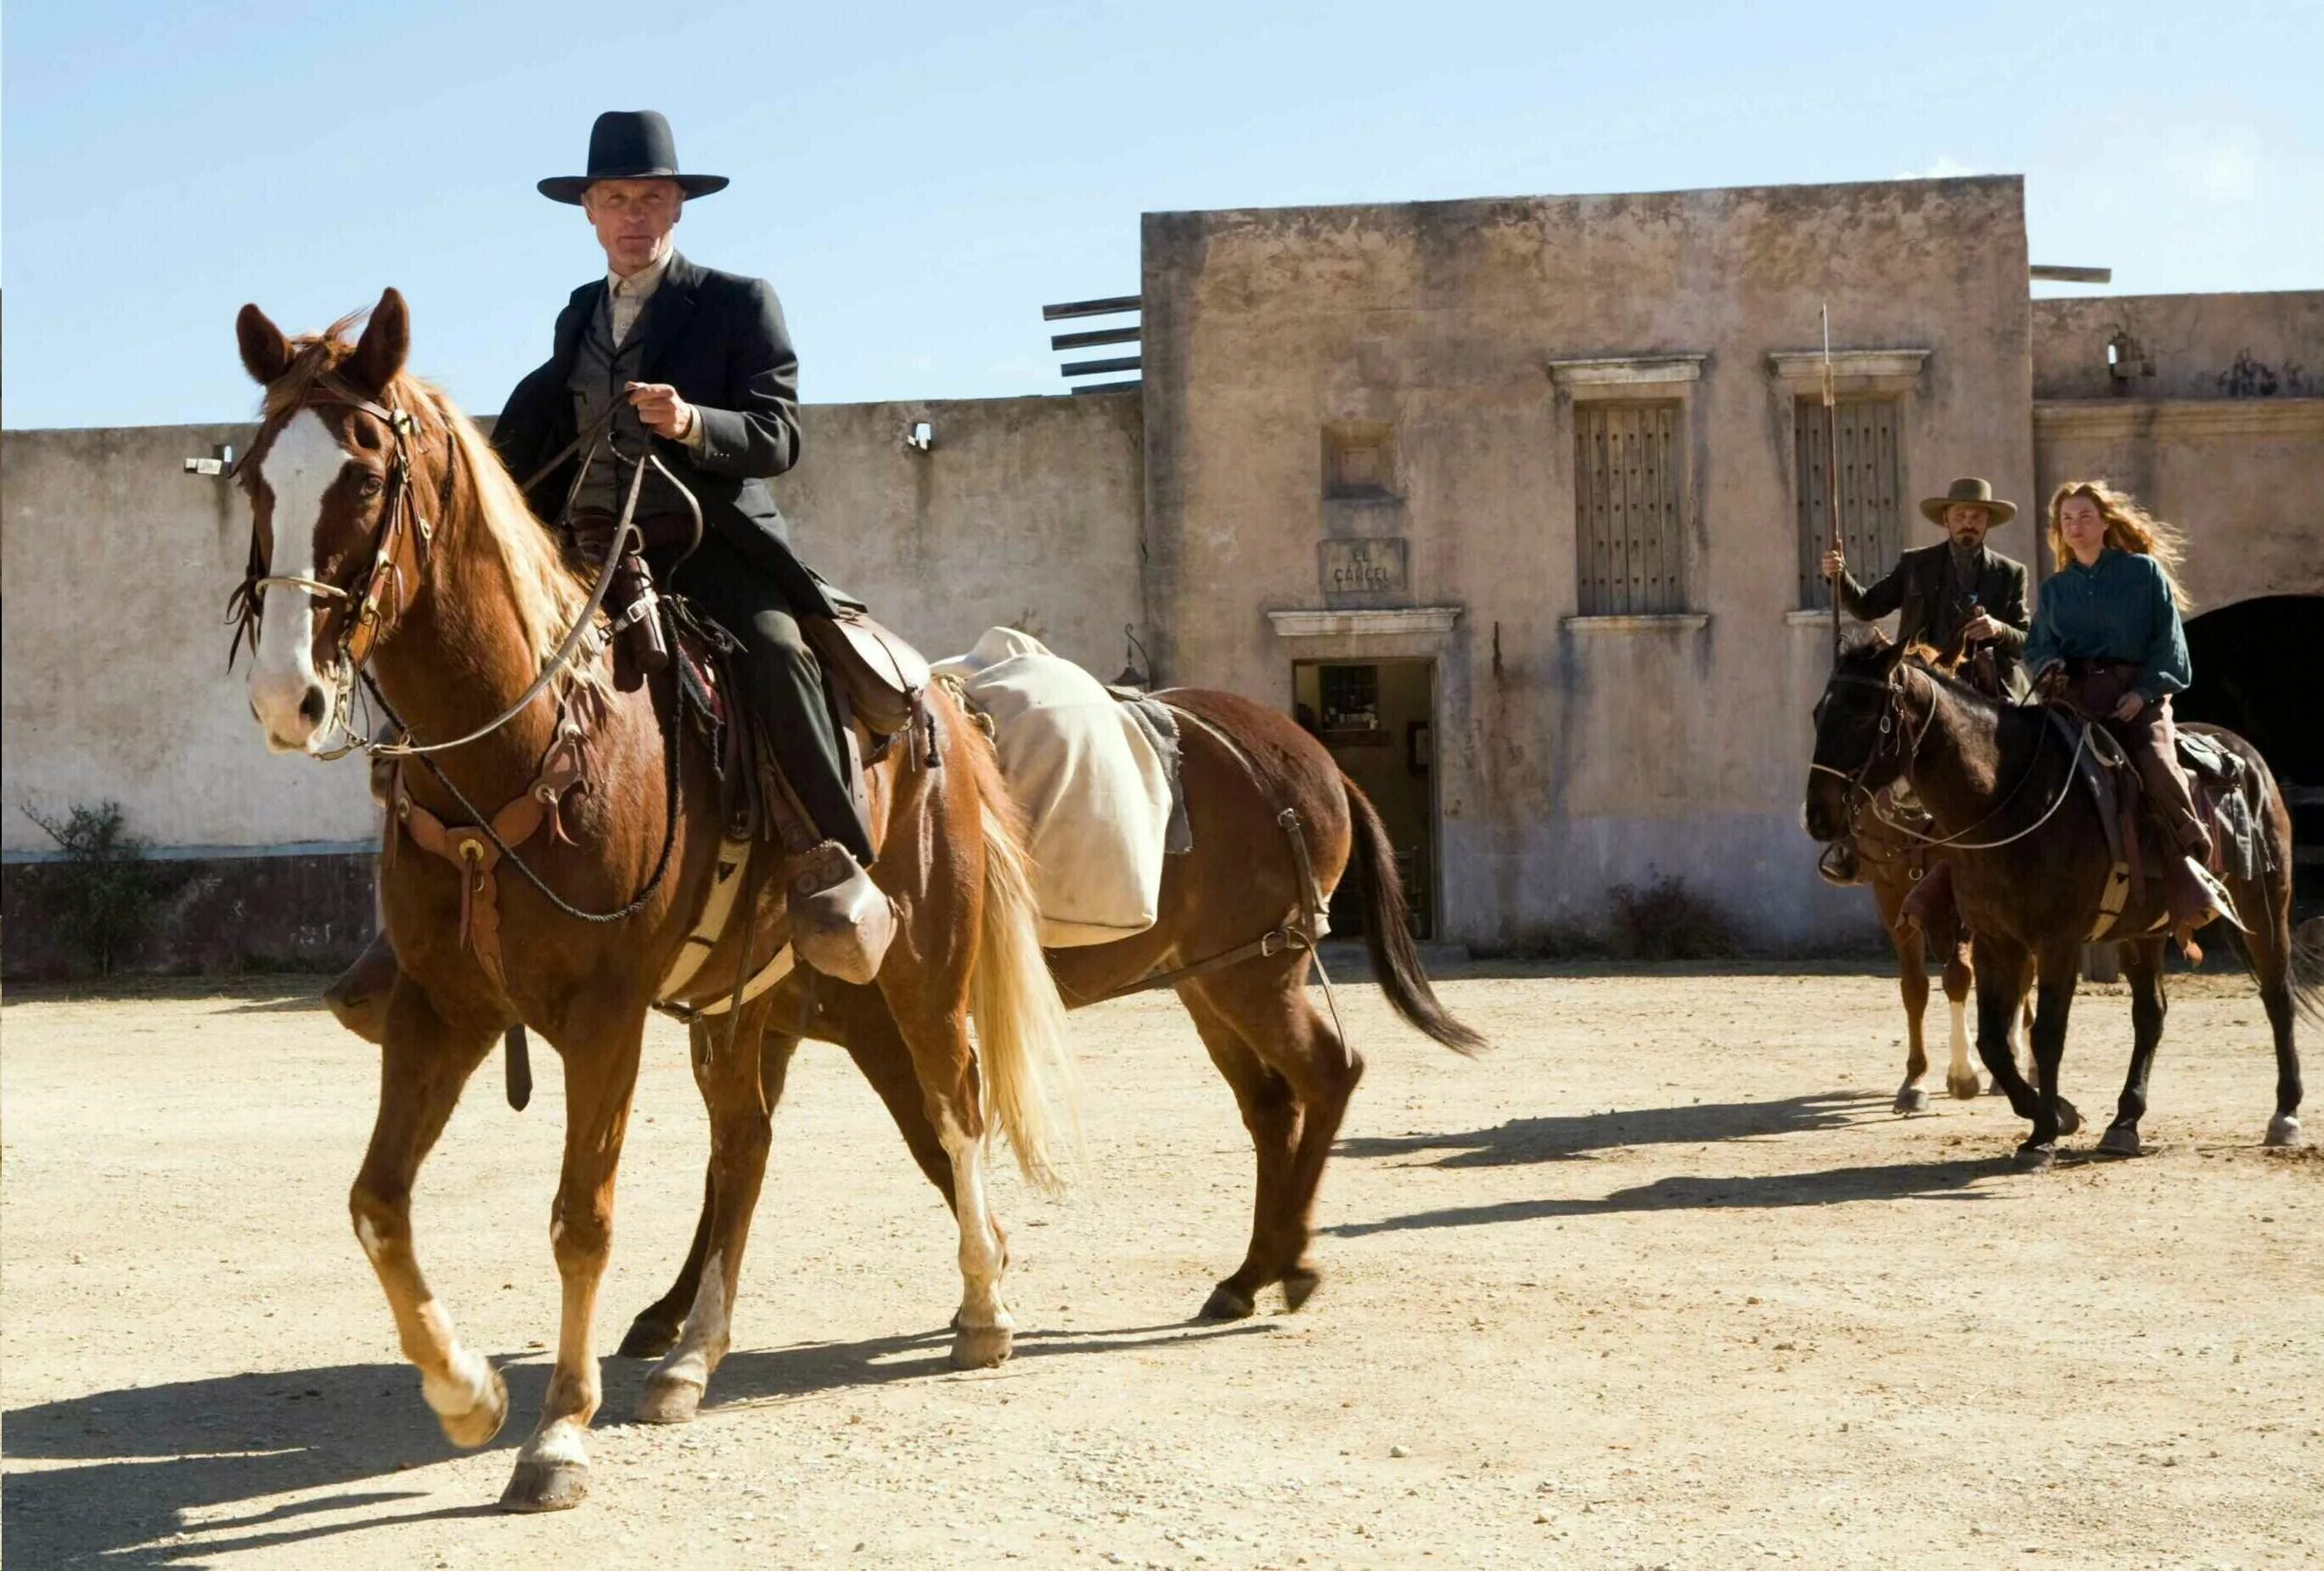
[1839, 865]
[842, 923]
[2195, 900]
[359, 997]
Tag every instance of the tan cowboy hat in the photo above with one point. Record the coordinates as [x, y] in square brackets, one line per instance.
[1980, 492]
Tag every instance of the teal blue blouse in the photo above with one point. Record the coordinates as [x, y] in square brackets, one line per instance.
[2118, 608]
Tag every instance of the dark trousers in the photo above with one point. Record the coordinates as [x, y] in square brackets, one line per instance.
[785, 681]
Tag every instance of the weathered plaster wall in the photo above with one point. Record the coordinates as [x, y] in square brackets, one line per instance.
[2225, 436]
[113, 679]
[1026, 512]
[2240, 476]
[1575, 754]
[2265, 344]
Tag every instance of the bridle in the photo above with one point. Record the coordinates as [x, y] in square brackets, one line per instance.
[1892, 722]
[400, 552]
[399, 561]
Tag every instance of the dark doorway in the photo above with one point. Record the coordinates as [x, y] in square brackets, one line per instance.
[2255, 664]
[1377, 717]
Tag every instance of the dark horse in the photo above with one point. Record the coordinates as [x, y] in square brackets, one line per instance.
[2031, 863]
[1243, 766]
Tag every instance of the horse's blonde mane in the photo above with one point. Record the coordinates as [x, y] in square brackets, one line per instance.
[547, 595]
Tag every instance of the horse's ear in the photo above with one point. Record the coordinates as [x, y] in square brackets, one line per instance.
[265, 354]
[386, 340]
[1891, 655]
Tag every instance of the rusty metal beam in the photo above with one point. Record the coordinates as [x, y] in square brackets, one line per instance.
[1109, 387]
[1092, 308]
[1097, 367]
[2051, 274]
[1091, 340]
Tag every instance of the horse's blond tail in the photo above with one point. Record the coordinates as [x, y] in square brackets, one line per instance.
[1030, 1087]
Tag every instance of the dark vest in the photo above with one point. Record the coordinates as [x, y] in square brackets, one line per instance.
[601, 370]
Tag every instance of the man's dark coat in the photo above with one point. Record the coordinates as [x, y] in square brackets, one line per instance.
[1922, 588]
[718, 337]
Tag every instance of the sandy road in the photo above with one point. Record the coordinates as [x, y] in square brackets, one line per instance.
[1661, 1281]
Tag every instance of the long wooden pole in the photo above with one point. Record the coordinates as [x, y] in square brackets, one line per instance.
[1831, 476]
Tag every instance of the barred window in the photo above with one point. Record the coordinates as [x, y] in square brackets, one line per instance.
[1629, 524]
[1871, 504]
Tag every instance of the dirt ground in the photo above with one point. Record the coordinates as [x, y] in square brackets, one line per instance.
[1661, 1281]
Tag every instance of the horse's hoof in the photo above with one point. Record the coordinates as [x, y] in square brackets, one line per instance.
[1225, 1303]
[2121, 1140]
[2035, 1158]
[2284, 1130]
[479, 1424]
[1967, 1090]
[668, 1399]
[546, 1486]
[1299, 1285]
[649, 1339]
[982, 1346]
[1911, 1099]
[2070, 1117]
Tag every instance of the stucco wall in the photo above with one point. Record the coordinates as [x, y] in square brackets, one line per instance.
[1575, 755]
[1025, 512]
[2240, 476]
[113, 679]
[2265, 344]
[2224, 438]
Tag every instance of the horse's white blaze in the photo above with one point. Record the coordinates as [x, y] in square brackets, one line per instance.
[980, 1244]
[302, 464]
[1960, 1036]
[699, 1351]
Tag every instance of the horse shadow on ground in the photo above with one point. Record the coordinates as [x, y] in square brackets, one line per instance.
[150, 1464]
[1523, 1141]
[1945, 1181]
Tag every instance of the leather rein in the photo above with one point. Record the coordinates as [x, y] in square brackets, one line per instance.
[1892, 738]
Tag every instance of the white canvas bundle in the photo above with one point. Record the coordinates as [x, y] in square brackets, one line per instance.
[1094, 792]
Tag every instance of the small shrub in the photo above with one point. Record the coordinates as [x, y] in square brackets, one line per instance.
[1666, 920]
[101, 895]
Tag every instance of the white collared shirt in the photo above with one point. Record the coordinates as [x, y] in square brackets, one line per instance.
[627, 297]
[626, 302]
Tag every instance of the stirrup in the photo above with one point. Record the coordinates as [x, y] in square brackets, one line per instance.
[2217, 893]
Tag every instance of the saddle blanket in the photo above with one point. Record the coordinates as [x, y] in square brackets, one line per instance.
[1094, 786]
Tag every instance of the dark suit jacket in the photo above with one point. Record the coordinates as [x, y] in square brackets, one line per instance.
[718, 337]
[1922, 583]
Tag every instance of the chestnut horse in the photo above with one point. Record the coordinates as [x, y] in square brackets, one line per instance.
[384, 532]
[2032, 864]
[1243, 766]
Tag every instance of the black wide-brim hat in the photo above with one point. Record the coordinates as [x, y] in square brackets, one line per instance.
[629, 145]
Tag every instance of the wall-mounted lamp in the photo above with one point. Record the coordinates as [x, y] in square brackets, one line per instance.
[219, 462]
[921, 434]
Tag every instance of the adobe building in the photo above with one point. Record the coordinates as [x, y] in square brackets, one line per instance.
[1514, 501]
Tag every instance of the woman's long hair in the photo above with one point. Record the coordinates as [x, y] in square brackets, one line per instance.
[2129, 528]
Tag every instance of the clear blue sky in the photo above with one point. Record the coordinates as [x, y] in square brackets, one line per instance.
[918, 179]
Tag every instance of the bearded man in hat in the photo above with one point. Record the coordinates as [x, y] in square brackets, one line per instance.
[1959, 592]
[693, 369]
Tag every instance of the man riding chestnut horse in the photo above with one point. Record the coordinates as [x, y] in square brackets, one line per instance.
[692, 374]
